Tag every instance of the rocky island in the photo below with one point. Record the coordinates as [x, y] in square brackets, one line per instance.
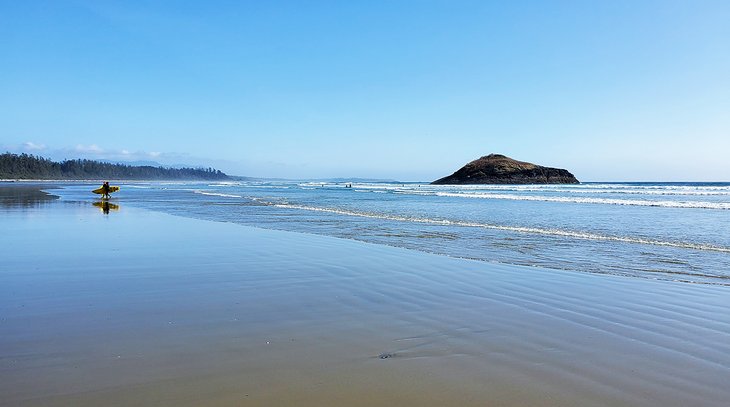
[500, 169]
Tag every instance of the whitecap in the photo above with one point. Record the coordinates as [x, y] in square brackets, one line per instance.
[519, 229]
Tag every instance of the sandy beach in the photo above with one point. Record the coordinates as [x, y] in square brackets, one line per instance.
[135, 307]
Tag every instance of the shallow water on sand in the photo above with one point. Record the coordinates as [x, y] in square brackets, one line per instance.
[678, 232]
[141, 308]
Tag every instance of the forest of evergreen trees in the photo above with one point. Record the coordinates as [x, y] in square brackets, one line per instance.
[25, 166]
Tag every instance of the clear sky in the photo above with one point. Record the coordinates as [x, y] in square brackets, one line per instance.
[412, 90]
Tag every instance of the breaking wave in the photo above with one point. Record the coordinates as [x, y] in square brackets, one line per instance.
[197, 191]
[580, 200]
[518, 229]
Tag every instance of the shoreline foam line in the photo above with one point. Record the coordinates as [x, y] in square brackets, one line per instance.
[608, 201]
[197, 191]
[519, 229]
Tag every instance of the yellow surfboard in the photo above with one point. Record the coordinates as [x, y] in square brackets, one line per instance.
[100, 190]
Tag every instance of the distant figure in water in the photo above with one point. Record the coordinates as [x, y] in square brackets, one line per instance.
[105, 190]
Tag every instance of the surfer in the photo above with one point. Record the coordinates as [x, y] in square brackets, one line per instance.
[105, 190]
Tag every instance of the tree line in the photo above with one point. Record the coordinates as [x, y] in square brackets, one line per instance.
[26, 166]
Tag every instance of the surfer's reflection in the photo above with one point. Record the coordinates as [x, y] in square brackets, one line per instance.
[106, 206]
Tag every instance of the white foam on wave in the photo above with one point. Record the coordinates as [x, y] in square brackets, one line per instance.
[226, 184]
[264, 186]
[668, 192]
[518, 229]
[618, 189]
[197, 191]
[606, 201]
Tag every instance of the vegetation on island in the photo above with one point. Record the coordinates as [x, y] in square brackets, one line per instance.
[26, 166]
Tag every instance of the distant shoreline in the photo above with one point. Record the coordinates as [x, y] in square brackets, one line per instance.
[97, 180]
[233, 179]
[26, 166]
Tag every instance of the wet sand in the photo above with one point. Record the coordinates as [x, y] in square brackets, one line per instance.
[141, 308]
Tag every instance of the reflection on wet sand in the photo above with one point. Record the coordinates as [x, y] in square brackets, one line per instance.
[106, 206]
[14, 195]
[143, 308]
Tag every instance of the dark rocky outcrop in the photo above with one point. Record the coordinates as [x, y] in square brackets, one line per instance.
[499, 169]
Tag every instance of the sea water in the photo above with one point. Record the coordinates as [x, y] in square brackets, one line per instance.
[669, 231]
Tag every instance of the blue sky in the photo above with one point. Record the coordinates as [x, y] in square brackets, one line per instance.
[611, 90]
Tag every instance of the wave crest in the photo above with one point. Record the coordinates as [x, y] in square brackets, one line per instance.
[518, 229]
[608, 201]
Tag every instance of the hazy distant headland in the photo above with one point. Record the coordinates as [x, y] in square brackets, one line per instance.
[25, 166]
[500, 169]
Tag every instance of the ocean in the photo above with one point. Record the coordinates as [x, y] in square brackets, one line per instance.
[665, 231]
